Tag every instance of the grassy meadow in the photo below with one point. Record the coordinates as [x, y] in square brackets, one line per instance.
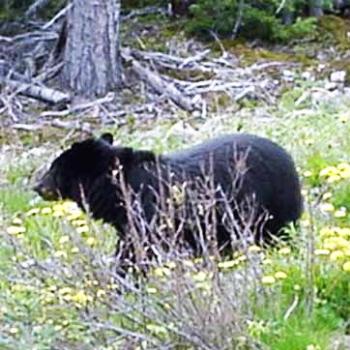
[58, 289]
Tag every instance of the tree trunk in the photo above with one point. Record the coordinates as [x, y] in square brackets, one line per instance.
[92, 65]
[316, 8]
[287, 17]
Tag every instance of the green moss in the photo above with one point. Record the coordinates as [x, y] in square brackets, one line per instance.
[192, 75]
[334, 30]
[130, 4]
[222, 100]
[250, 55]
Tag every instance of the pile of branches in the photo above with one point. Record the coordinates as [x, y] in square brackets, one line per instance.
[30, 66]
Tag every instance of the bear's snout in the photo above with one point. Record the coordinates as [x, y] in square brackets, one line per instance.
[45, 192]
[43, 183]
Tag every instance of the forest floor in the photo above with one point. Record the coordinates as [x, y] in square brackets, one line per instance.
[57, 287]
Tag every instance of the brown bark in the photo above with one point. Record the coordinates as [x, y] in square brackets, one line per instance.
[92, 61]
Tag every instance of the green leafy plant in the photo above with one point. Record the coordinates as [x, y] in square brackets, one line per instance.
[251, 19]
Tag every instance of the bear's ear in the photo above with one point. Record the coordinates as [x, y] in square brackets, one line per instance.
[107, 137]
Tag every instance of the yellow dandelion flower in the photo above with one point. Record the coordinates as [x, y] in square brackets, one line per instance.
[46, 211]
[100, 293]
[198, 260]
[73, 216]
[322, 252]
[91, 241]
[13, 330]
[171, 265]
[344, 170]
[201, 276]
[188, 263]
[154, 328]
[60, 254]
[343, 166]
[341, 242]
[52, 289]
[340, 213]
[336, 255]
[113, 286]
[328, 171]
[285, 251]
[333, 179]
[17, 221]
[15, 230]
[280, 275]
[309, 142]
[267, 261]
[254, 249]
[326, 232]
[343, 118]
[58, 210]
[33, 211]
[152, 290]
[18, 288]
[312, 347]
[343, 231]
[335, 242]
[161, 272]
[297, 287]
[241, 258]
[226, 265]
[346, 266]
[80, 298]
[64, 240]
[347, 252]
[205, 286]
[82, 229]
[304, 192]
[326, 196]
[268, 280]
[58, 207]
[70, 207]
[79, 222]
[329, 245]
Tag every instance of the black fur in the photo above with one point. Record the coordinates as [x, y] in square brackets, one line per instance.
[90, 172]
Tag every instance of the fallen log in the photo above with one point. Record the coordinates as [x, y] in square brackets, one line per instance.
[40, 93]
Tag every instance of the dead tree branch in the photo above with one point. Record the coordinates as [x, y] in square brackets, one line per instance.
[157, 83]
[40, 93]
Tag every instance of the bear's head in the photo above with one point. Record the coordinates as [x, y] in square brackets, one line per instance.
[78, 167]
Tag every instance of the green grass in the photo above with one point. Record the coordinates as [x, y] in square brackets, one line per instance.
[14, 199]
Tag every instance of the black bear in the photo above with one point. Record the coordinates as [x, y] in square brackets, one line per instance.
[239, 172]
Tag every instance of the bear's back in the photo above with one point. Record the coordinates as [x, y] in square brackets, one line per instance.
[267, 169]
